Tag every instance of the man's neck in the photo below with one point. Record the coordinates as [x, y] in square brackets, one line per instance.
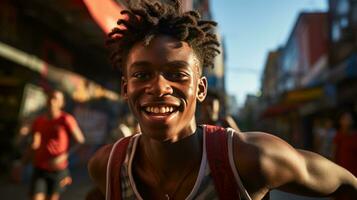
[168, 157]
[162, 167]
[53, 114]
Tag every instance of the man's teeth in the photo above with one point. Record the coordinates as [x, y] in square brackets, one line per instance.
[162, 109]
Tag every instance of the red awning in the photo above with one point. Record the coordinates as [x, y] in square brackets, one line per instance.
[105, 13]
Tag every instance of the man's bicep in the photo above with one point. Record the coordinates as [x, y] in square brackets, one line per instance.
[265, 161]
[281, 163]
[298, 171]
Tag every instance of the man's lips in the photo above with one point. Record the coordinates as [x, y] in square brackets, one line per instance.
[160, 111]
[160, 107]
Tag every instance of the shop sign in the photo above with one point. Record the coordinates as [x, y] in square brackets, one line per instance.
[304, 95]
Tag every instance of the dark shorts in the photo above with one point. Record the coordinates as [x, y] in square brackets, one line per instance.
[47, 182]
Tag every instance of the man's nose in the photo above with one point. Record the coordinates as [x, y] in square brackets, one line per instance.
[159, 86]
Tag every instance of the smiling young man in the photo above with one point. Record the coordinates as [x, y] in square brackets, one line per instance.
[160, 52]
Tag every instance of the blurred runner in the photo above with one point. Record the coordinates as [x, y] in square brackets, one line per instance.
[323, 138]
[49, 149]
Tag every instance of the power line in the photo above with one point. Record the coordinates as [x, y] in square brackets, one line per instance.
[243, 70]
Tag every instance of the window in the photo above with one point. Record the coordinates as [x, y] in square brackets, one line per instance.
[341, 19]
[354, 12]
[343, 6]
[344, 22]
[336, 32]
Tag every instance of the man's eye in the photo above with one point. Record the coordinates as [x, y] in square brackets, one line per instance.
[176, 75]
[141, 75]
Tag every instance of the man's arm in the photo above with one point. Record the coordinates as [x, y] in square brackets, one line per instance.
[75, 130]
[79, 138]
[35, 144]
[76, 134]
[323, 177]
[97, 167]
[266, 162]
[26, 157]
[231, 123]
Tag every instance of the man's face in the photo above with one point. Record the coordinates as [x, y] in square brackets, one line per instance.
[346, 120]
[161, 85]
[210, 110]
[55, 100]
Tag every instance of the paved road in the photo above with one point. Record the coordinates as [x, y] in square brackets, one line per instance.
[277, 195]
[82, 184]
[77, 191]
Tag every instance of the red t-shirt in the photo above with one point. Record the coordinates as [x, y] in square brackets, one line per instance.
[55, 138]
[346, 151]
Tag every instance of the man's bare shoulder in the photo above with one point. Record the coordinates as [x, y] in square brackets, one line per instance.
[260, 141]
[97, 166]
[250, 147]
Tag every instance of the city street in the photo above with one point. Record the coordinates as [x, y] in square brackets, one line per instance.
[82, 184]
[77, 191]
[278, 195]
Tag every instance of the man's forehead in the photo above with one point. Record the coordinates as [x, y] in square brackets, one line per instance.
[163, 44]
[54, 93]
[166, 48]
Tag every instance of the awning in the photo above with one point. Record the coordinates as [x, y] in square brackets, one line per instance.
[279, 109]
[105, 12]
[294, 99]
[79, 87]
[303, 95]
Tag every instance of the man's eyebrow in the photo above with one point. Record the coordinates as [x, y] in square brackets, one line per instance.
[140, 64]
[177, 63]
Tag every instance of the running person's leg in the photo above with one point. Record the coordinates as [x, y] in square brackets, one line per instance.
[57, 183]
[38, 185]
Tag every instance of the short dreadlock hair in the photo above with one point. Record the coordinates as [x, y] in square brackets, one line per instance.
[148, 19]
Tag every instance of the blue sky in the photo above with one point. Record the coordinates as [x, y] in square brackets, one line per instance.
[252, 28]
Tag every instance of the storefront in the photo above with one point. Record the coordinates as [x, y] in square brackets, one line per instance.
[290, 120]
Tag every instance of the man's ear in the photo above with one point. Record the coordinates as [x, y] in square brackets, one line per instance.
[202, 89]
[124, 88]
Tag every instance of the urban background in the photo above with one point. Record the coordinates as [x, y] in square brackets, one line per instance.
[306, 82]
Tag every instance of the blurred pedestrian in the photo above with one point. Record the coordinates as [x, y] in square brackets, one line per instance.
[324, 138]
[49, 149]
[346, 145]
[210, 112]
